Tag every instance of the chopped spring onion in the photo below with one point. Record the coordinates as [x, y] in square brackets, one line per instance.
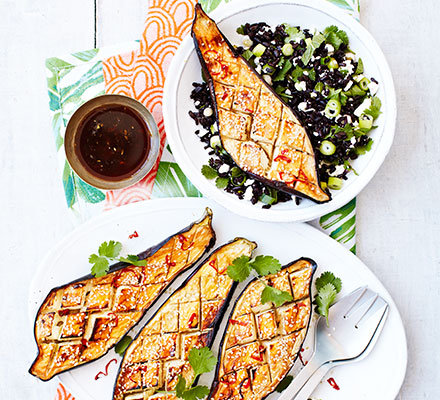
[364, 84]
[366, 121]
[327, 148]
[332, 109]
[319, 87]
[247, 42]
[323, 185]
[332, 64]
[247, 54]
[287, 49]
[355, 91]
[334, 183]
[258, 50]
[268, 69]
[215, 141]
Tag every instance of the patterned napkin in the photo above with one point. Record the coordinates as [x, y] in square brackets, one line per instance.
[138, 70]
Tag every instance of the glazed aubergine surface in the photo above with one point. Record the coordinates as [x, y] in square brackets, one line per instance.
[80, 321]
[259, 131]
[159, 355]
[262, 341]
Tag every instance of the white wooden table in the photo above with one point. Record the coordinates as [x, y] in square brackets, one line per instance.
[398, 219]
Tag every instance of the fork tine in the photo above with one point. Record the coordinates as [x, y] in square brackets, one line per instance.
[346, 303]
[361, 307]
[377, 307]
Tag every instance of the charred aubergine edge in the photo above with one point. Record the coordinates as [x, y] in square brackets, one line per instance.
[261, 341]
[189, 318]
[81, 321]
[257, 128]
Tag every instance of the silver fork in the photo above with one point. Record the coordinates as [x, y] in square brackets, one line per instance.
[355, 324]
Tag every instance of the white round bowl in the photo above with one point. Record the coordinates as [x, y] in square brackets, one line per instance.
[185, 69]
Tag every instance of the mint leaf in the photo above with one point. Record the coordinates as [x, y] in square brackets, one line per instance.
[276, 296]
[324, 299]
[265, 265]
[240, 269]
[100, 265]
[284, 383]
[123, 344]
[201, 360]
[209, 172]
[110, 249]
[328, 277]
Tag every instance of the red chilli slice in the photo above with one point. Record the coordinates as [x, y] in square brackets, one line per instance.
[105, 372]
[333, 383]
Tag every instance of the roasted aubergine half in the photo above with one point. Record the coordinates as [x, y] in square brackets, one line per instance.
[262, 341]
[80, 321]
[154, 361]
[259, 131]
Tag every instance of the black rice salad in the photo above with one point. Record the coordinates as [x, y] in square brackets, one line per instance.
[322, 80]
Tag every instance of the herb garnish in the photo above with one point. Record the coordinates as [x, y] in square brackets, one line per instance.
[201, 360]
[243, 266]
[328, 286]
[109, 251]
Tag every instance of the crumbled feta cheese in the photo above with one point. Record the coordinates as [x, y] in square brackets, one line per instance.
[359, 77]
[302, 106]
[348, 119]
[248, 193]
[249, 182]
[288, 92]
[273, 42]
[224, 169]
[257, 60]
[330, 49]
[295, 61]
[353, 140]
[351, 56]
[313, 94]
[374, 87]
[338, 171]
[208, 111]
[348, 66]
[348, 86]
[258, 68]
[306, 73]
[315, 134]
[215, 141]
[300, 86]
[268, 79]
[197, 103]
[360, 110]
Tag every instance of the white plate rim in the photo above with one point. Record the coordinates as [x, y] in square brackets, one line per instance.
[200, 203]
[245, 208]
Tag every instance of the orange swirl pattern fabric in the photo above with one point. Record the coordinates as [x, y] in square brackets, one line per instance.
[141, 75]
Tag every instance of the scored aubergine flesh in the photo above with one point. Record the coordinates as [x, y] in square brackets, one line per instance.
[159, 355]
[80, 321]
[259, 131]
[262, 341]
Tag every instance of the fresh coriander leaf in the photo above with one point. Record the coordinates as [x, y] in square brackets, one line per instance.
[363, 149]
[265, 265]
[110, 249]
[240, 30]
[240, 269]
[201, 360]
[281, 75]
[360, 67]
[100, 265]
[312, 74]
[328, 277]
[284, 383]
[330, 29]
[294, 34]
[274, 295]
[235, 171]
[343, 36]
[335, 36]
[247, 55]
[324, 299]
[196, 392]
[123, 344]
[133, 260]
[374, 109]
[180, 387]
[264, 198]
[334, 40]
[209, 172]
[297, 73]
[221, 183]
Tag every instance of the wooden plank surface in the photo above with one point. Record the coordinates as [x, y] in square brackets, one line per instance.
[398, 217]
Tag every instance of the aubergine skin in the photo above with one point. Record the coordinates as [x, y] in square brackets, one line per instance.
[261, 341]
[81, 321]
[188, 318]
[257, 128]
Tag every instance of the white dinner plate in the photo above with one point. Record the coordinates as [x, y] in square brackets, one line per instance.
[379, 376]
[185, 69]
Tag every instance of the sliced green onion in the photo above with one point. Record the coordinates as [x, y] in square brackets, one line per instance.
[323, 185]
[355, 91]
[332, 109]
[327, 148]
[236, 172]
[319, 87]
[287, 49]
[366, 121]
[215, 141]
[258, 50]
[332, 64]
[364, 84]
[268, 69]
[247, 54]
[334, 183]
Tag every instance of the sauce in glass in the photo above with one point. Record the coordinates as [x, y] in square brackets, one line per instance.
[113, 142]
